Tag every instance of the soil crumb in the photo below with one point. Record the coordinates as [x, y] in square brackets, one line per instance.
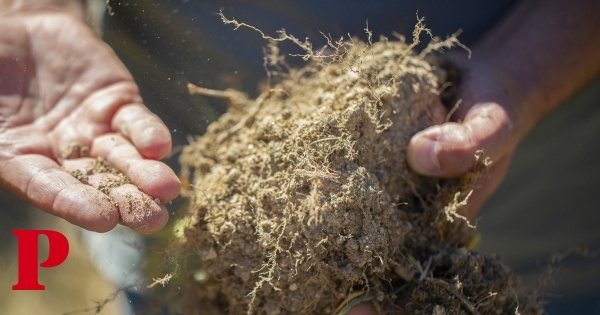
[113, 177]
[75, 150]
[302, 201]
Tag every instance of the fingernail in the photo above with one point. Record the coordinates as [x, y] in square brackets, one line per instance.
[424, 154]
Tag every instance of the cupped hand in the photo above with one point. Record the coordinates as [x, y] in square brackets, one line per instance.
[60, 85]
[489, 117]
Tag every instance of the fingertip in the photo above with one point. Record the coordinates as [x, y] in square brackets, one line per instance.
[158, 221]
[150, 224]
[138, 211]
[422, 153]
[144, 129]
[445, 151]
[156, 179]
[153, 142]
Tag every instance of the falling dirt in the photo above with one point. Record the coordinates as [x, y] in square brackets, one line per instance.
[302, 201]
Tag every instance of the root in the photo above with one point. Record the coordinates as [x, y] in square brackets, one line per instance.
[463, 300]
[234, 97]
[247, 119]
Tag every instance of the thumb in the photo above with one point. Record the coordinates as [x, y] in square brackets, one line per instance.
[448, 150]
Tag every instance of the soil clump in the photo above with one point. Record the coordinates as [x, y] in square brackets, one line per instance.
[301, 201]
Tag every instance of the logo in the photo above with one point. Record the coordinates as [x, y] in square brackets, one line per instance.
[29, 264]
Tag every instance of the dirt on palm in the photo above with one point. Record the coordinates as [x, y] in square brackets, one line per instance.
[302, 201]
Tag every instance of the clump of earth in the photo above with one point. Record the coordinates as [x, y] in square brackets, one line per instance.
[302, 202]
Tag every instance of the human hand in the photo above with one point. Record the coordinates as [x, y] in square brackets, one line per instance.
[60, 85]
[522, 69]
[490, 116]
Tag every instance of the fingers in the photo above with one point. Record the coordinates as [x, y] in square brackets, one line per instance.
[153, 177]
[47, 186]
[145, 130]
[136, 209]
[116, 107]
[94, 116]
[448, 150]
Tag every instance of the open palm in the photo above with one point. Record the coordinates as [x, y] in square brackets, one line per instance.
[59, 86]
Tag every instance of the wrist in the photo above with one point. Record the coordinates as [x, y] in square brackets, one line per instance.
[547, 48]
[521, 78]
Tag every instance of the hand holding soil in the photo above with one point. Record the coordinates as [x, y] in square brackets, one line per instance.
[519, 72]
[483, 118]
[304, 196]
[62, 90]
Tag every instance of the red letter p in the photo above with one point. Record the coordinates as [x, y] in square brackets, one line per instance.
[58, 249]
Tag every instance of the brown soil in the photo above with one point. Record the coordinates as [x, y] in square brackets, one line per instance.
[302, 202]
[135, 210]
[113, 177]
